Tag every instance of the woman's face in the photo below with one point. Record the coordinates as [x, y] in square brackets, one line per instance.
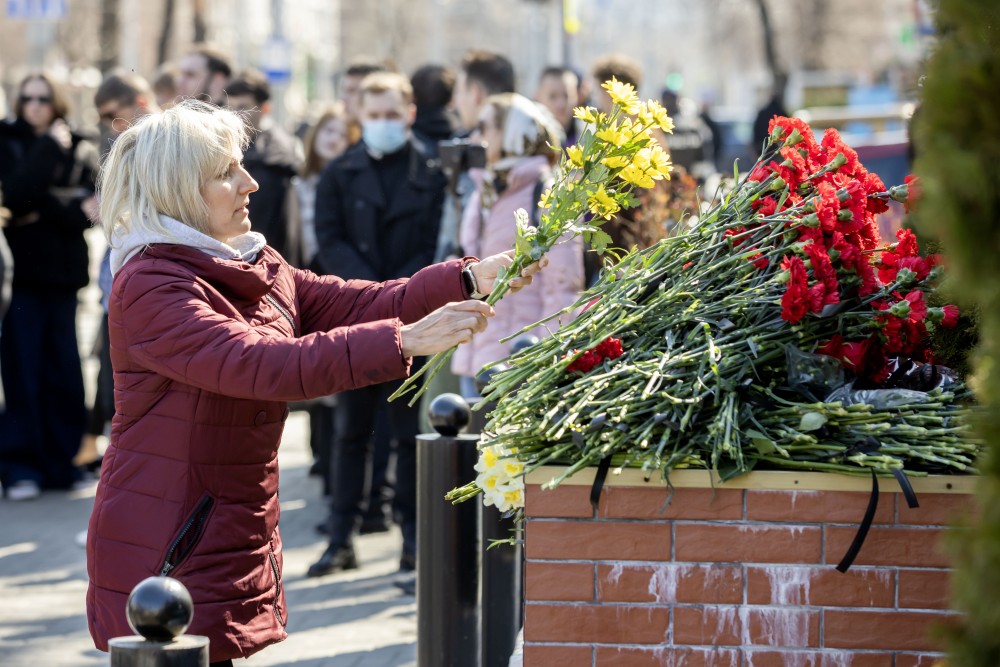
[331, 139]
[36, 105]
[227, 196]
[489, 133]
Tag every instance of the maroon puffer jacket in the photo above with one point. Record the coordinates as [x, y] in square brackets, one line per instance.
[205, 353]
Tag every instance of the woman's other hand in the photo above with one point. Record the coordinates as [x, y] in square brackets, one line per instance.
[444, 328]
[486, 271]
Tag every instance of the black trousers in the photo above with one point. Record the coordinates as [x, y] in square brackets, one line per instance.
[352, 455]
[46, 414]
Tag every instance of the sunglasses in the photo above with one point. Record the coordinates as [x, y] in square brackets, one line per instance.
[41, 99]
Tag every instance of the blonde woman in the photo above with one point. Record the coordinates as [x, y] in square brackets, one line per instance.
[519, 135]
[211, 333]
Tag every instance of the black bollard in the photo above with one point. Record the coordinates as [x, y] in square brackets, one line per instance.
[448, 615]
[501, 587]
[160, 609]
[481, 416]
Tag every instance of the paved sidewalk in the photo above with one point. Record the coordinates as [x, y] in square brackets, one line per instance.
[355, 619]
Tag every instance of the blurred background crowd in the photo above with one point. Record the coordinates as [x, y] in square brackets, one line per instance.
[386, 136]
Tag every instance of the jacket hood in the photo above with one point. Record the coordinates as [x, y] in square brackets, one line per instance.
[245, 247]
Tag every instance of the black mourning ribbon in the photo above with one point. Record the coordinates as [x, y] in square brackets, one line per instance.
[866, 523]
[904, 484]
[602, 475]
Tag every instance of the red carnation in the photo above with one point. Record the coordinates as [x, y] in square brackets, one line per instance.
[918, 308]
[610, 348]
[765, 206]
[873, 185]
[951, 314]
[827, 206]
[795, 302]
[824, 272]
[907, 243]
[834, 146]
[788, 126]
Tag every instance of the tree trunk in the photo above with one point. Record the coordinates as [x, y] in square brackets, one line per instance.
[767, 31]
[165, 34]
[200, 28]
[110, 42]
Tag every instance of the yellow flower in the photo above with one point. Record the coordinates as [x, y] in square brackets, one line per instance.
[513, 498]
[603, 204]
[544, 202]
[622, 94]
[613, 135]
[615, 161]
[512, 467]
[659, 161]
[575, 156]
[586, 114]
[653, 113]
[489, 457]
[636, 175]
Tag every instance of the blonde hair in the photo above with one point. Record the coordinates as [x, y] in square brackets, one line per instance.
[160, 165]
[527, 127]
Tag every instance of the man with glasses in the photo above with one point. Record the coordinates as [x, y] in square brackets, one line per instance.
[122, 98]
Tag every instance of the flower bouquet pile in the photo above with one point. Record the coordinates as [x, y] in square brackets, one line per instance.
[595, 179]
[778, 331]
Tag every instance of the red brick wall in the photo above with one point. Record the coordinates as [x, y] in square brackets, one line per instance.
[733, 578]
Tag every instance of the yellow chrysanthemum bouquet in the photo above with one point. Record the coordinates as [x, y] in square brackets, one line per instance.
[616, 154]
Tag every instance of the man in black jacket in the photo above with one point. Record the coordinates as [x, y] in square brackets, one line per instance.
[377, 212]
[272, 159]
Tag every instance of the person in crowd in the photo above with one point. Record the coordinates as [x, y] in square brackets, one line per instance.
[432, 90]
[165, 86]
[775, 106]
[614, 65]
[715, 131]
[557, 91]
[377, 212]
[212, 332]
[519, 135]
[690, 143]
[273, 160]
[203, 74]
[350, 90]
[325, 140]
[481, 74]
[48, 188]
[121, 98]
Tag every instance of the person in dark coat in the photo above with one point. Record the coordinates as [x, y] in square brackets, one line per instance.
[435, 121]
[377, 212]
[48, 188]
[212, 334]
[6, 275]
[273, 159]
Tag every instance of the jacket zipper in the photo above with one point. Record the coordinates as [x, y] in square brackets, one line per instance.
[277, 583]
[284, 313]
[196, 521]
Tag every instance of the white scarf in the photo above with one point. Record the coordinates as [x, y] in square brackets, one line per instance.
[244, 247]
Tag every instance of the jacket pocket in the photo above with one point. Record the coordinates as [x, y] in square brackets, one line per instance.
[188, 537]
[279, 611]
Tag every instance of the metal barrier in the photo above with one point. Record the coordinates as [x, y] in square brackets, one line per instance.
[448, 545]
[160, 610]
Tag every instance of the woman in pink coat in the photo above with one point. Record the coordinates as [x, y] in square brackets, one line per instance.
[212, 333]
[519, 135]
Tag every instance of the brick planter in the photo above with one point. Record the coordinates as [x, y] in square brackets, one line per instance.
[741, 575]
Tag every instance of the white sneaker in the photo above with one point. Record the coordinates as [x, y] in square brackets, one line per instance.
[23, 490]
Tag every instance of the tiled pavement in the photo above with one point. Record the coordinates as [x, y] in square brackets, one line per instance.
[355, 619]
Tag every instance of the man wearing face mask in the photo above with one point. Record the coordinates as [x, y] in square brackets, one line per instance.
[378, 207]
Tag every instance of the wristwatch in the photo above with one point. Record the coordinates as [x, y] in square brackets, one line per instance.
[471, 284]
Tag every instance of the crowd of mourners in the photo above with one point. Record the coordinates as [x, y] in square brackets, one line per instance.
[398, 174]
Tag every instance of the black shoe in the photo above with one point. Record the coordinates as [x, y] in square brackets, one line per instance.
[407, 562]
[336, 557]
[373, 525]
[322, 528]
[407, 585]
[315, 470]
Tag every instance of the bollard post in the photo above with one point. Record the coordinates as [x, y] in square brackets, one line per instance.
[448, 614]
[160, 610]
[501, 588]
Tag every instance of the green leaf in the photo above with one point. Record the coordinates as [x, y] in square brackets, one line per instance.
[812, 421]
[599, 240]
[761, 442]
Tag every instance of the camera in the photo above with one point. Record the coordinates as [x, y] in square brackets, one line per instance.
[458, 155]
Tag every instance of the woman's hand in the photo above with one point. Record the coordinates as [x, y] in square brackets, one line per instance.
[486, 271]
[444, 328]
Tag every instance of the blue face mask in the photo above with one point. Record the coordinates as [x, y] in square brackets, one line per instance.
[384, 136]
